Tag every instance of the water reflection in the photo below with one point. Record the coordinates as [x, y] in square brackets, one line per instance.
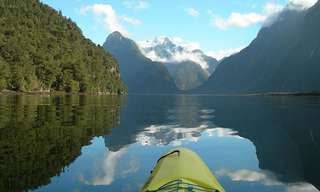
[251, 143]
[175, 135]
[166, 114]
[266, 178]
[109, 167]
[284, 131]
[40, 136]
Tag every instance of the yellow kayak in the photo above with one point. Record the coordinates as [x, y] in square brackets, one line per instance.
[181, 170]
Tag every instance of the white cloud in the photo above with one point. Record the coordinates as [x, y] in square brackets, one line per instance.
[108, 15]
[178, 41]
[132, 167]
[266, 178]
[177, 50]
[130, 20]
[160, 135]
[301, 4]
[188, 45]
[109, 167]
[176, 135]
[220, 54]
[272, 8]
[267, 16]
[136, 4]
[272, 11]
[301, 187]
[237, 20]
[192, 12]
[223, 132]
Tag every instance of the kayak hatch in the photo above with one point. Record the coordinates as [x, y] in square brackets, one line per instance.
[181, 170]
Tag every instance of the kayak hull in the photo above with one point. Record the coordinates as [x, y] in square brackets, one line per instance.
[184, 169]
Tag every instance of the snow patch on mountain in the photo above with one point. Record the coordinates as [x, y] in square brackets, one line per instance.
[173, 50]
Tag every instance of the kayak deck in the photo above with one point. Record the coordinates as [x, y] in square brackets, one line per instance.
[181, 170]
[181, 186]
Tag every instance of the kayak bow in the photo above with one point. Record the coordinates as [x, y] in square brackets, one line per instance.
[181, 170]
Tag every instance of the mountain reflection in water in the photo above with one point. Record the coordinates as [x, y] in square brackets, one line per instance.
[40, 136]
[111, 144]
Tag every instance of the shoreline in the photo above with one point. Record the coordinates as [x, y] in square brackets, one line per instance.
[288, 94]
[56, 93]
[274, 94]
[61, 93]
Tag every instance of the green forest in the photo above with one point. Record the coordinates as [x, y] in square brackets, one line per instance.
[40, 136]
[43, 51]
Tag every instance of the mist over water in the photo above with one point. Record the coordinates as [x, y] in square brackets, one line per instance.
[82, 143]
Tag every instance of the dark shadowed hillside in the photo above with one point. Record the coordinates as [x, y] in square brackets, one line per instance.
[139, 73]
[187, 74]
[283, 58]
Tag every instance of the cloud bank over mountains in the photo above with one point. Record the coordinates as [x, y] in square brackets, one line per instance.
[173, 50]
[220, 54]
[269, 14]
[301, 4]
[176, 50]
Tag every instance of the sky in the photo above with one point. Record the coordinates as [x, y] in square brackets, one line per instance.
[218, 27]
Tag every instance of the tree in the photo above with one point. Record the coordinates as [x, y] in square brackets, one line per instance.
[43, 50]
[4, 74]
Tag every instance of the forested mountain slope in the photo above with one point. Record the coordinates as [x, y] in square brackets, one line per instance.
[41, 50]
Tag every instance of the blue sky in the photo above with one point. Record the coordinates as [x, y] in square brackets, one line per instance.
[215, 25]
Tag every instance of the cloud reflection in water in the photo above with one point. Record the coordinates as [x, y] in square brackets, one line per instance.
[159, 135]
[266, 178]
[109, 167]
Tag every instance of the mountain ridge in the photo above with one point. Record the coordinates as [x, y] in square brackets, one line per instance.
[140, 74]
[187, 64]
[282, 58]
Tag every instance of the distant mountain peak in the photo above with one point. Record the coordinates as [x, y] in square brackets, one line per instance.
[175, 50]
[283, 58]
[198, 51]
[186, 63]
[115, 35]
[117, 40]
[139, 73]
[162, 41]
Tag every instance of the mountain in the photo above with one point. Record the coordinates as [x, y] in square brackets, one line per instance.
[188, 65]
[284, 57]
[211, 62]
[41, 50]
[187, 74]
[139, 73]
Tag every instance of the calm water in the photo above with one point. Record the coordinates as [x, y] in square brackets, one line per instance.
[83, 143]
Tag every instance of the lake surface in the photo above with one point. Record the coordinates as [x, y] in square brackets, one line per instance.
[82, 143]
